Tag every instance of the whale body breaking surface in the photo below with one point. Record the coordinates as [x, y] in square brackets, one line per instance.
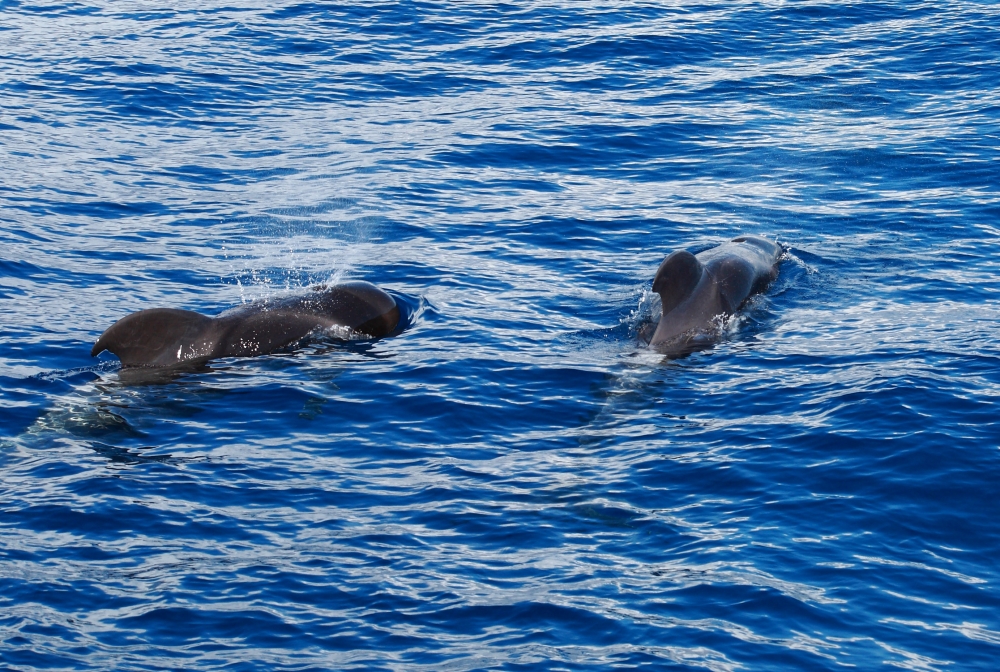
[697, 291]
[164, 337]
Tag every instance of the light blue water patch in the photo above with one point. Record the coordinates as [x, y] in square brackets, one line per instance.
[513, 481]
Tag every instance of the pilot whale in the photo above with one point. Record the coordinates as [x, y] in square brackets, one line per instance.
[163, 337]
[697, 290]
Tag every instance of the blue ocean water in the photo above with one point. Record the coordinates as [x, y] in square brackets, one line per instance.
[514, 481]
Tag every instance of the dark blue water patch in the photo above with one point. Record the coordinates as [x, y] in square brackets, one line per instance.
[21, 269]
[303, 9]
[525, 155]
[23, 404]
[66, 595]
[203, 175]
[176, 625]
[112, 255]
[257, 153]
[580, 235]
[131, 457]
[35, 119]
[122, 158]
[96, 209]
[379, 86]
[168, 102]
[644, 155]
[66, 9]
[525, 184]
[648, 51]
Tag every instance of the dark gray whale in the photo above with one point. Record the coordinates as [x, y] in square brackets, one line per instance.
[168, 337]
[696, 290]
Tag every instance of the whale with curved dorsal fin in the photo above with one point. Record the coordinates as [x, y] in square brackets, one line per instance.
[163, 337]
[696, 290]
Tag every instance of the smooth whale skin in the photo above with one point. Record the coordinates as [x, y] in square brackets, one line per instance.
[696, 290]
[162, 337]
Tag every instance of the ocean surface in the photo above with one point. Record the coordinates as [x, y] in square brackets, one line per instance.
[514, 481]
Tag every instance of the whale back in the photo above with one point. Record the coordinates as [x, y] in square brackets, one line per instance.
[265, 326]
[359, 306]
[742, 267]
[159, 337]
[695, 290]
[163, 337]
[258, 332]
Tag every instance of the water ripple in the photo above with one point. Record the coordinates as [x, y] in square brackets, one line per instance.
[512, 481]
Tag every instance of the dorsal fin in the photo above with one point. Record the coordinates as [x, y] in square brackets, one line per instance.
[157, 337]
[676, 278]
